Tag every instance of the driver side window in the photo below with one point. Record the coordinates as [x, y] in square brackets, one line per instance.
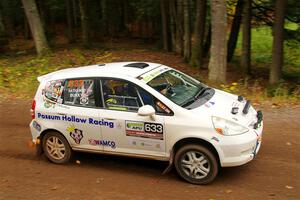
[120, 95]
[125, 96]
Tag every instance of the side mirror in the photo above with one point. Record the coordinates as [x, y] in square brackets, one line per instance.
[147, 110]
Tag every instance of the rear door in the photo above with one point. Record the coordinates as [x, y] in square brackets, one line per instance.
[71, 107]
[81, 99]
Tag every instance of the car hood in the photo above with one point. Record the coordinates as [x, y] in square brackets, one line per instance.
[221, 105]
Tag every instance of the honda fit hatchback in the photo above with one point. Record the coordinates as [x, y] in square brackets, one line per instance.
[144, 110]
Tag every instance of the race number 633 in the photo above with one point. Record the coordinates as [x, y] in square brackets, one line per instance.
[153, 128]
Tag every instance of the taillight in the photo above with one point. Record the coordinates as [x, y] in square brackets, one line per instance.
[32, 110]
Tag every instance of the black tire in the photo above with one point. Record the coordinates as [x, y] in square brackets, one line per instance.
[62, 150]
[204, 168]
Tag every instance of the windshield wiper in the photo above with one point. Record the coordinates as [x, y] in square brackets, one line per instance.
[201, 92]
[188, 102]
[194, 98]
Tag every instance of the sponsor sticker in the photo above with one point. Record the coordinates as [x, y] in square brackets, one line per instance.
[152, 74]
[144, 129]
[154, 145]
[209, 104]
[72, 118]
[106, 143]
[37, 126]
[75, 133]
[163, 107]
[52, 93]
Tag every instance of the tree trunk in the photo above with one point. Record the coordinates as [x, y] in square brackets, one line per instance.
[27, 33]
[179, 27]
[187, 31]
[235, 29]
[246, 41]
[84, 23]
[36, 27]
[3, 35]
[43, 14]
[2, 28]
[218, 56]
[104, 17]
[7, 18]
[173, 28]
[207, 42]
[70, 17]
[277, 51]
[197, 46]
[75, 13]
[165, 24]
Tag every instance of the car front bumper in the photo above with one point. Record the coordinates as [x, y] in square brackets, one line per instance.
[240, 149]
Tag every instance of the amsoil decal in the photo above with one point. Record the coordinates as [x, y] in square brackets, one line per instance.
[107, 143]
[75, 133]
[144, 129]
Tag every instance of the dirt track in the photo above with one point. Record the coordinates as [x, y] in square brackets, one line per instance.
[274, 174]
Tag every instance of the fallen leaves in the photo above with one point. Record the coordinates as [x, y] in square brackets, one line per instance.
[54, 188]
[289, 187]
[228, 191]
[98, 180]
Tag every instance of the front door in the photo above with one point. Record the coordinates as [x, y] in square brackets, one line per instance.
[129, 133]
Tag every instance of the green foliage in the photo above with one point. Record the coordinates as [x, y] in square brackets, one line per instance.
[283, 90]
[19, 75]
[261, 51]
[261, 44]
[258, 91]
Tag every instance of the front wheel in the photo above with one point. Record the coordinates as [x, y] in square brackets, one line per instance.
[56, 148]
[196, 164]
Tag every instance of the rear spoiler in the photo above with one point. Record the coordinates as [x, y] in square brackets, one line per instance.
[45, 76]
[49, 75]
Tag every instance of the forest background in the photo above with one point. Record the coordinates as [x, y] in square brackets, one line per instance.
[248, 47]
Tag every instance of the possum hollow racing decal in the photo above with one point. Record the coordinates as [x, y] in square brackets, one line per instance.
[144, 129]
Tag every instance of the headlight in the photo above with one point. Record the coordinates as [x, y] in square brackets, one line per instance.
[226, 127]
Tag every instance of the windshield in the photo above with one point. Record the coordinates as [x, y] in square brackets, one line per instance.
[177, 87]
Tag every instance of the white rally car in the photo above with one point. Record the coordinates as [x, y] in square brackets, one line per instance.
[144, 110]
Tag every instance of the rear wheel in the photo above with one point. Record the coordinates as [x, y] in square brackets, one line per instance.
[196, 164]
[56, 148]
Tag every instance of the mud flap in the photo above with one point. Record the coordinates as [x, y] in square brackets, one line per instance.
[169, 167]
[38, 147]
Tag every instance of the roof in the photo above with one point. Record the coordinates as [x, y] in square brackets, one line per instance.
[133, 69]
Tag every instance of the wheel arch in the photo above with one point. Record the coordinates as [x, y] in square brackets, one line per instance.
[44, 132]
[193, 140]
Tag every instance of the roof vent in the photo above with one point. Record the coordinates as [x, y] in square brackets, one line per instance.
[137, 65]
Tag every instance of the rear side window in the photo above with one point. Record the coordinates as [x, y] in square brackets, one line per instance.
[79, 92]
